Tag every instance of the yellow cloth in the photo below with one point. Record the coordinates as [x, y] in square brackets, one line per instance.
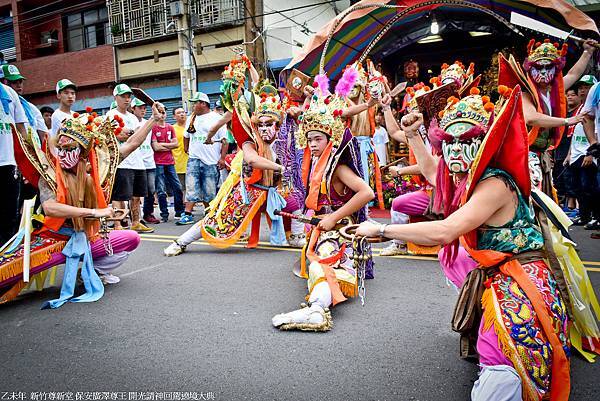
[181, 158]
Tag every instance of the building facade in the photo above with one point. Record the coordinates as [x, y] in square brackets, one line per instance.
[60, 39]
[148, 35]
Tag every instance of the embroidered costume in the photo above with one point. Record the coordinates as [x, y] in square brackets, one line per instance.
[88, 143]
[331, 274]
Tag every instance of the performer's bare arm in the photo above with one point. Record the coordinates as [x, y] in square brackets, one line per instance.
[225, 118]
[186, 145]
[254, 77]
[138, 137]
[407, 170]
[52, 208]
[255, 161]
[492, 203]
[390, 121]
[224, 147]
[428, 163]
[589, 127]
[363, 194]
[581, 65]
[536, 119]
[358, 108]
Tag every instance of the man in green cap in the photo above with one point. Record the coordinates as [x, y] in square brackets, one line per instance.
[11, 115]
[35, 120]
[66, 93]
[35, 123]
[131, 181]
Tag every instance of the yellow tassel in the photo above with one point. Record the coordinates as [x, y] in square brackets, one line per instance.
[15, 267]
[223, 243]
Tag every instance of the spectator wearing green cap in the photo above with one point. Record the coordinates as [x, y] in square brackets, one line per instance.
[205, 160]
[582, 166]
[11, 114]
[35, 123]
[138, 108]
[66, 93]
[130, 181]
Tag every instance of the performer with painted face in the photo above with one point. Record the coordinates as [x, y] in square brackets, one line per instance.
[74, 188]
[456, 79]
[523, 337]
[367, 90]
[544, 98]
[335, 191]
[262, 129]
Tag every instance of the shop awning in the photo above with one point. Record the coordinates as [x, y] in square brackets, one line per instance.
[361, 28]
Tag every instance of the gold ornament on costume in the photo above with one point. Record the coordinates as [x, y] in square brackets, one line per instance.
[473, 109]
[89, 129]
[545, 51]
[236, 70]
[414, 92]
[457, 73]
[324, 114]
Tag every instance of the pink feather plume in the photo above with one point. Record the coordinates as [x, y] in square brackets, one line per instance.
[346, 82]
[322, 81]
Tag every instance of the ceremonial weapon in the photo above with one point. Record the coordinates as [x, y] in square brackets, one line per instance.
[536, 25]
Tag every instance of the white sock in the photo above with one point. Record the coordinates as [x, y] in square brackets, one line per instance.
[321, 295]
[191, 235]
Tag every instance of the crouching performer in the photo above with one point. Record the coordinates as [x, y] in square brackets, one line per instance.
[74, 187]
[337, 193]
[521, 323]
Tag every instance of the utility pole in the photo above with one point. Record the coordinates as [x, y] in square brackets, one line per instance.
[180, 9]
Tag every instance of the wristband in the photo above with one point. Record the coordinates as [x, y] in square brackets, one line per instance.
[566, 122]
[94, 213]
[382, 230]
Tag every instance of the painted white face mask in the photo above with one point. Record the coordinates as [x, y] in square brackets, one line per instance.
[460, 153]
[535, 170]
[267, 130]
[69, 158]
[543, 73]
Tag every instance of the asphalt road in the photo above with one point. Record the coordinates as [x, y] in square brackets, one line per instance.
[201, 322]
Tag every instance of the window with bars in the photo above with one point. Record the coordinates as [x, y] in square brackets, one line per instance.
[89, 28]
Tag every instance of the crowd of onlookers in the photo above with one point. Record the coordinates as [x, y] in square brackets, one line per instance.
[173, 169]
[575, 172]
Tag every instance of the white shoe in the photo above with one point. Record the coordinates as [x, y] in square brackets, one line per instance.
[394, 249]
[108, 278]
[174, 249]
[297, 240]
[313, 318]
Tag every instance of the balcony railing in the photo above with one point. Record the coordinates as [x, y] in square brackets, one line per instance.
[134, 20]
[208, 14]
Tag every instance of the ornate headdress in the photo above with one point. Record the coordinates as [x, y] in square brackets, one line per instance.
[236, 70]
[545, 52]
[324, 114]
[463, 77]
[376, 82]
[89, 129]
[269, 103]
[473, 109]
[234, 78]
[413, 92]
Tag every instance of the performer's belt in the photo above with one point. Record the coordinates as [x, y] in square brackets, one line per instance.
[468, 310]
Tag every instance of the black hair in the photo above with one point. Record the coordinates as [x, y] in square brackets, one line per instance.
[46, 109]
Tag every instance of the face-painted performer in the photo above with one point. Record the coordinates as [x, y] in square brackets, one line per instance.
[544, 100]
[367, 89]
[335, 191]
[75, 189]
[262, 130]
[417, 204]
[523, 337]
